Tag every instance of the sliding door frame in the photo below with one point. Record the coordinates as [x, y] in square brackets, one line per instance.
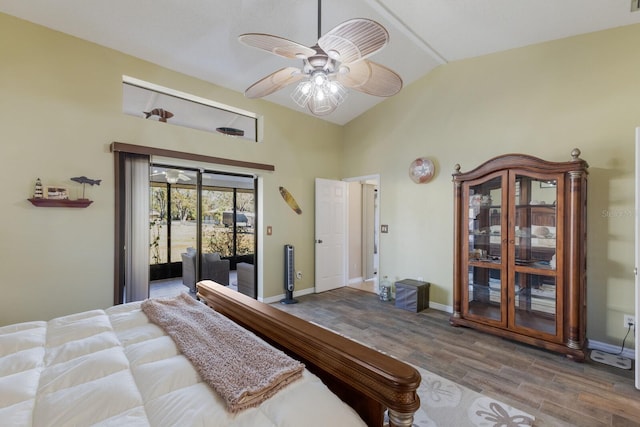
[120, 150]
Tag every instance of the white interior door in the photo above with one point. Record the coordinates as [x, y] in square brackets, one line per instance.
[331, 234]
[637, 256]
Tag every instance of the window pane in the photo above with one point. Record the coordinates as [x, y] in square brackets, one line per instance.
[183, 220]
[158, 224]
[245, 222]
[217, 228]
[153, 102]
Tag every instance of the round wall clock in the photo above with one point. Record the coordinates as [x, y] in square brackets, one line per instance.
[421, 170]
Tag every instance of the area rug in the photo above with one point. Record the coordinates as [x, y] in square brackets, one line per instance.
[444, 403]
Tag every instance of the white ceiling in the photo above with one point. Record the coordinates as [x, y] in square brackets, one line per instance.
[199, 37]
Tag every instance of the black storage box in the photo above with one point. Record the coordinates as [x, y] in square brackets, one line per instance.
[412, 295]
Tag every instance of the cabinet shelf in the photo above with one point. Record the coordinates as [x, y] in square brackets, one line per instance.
[63, 203]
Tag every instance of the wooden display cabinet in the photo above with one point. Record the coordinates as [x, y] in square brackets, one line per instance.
[520, 251]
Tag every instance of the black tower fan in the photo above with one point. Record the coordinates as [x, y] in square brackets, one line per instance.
[289, 276]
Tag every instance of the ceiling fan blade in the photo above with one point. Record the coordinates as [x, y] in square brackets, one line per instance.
[371, 78]
[354, 40]
[277, 45]
[274, 82]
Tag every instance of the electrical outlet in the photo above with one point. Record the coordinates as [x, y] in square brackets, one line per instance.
[629, 320]
[299, 275]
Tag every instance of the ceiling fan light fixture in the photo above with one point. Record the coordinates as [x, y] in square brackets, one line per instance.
[319, 78]
[320, 105]
[319, 93]
[302, 93]
[337, 61]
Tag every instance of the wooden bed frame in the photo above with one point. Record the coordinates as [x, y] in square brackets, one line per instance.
[367, 380]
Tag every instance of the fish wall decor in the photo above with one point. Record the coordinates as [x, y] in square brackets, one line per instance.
[161, 113]
[230, 131]
[84, 181]
[290, 200]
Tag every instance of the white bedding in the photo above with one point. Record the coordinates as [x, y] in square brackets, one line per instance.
[114, 367]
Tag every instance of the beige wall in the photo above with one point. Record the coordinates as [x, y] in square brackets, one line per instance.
[61, 108]
[542, 100]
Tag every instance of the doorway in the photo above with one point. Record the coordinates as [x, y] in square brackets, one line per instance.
[347, 233]
[202, 225]
[132, 181]
[364, 238]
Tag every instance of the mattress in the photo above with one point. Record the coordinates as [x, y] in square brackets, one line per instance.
[114, 367]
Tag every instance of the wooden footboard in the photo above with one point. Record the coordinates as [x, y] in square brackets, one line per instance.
[365, 379]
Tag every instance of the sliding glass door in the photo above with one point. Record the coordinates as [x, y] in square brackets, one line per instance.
[167, 212]
[172, 224]
[203, 212]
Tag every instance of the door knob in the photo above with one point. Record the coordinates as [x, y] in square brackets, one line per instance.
[318, 241]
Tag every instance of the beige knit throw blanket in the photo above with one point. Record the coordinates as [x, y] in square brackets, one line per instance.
[242, 368]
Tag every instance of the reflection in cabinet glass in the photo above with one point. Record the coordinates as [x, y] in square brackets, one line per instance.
[520, 239]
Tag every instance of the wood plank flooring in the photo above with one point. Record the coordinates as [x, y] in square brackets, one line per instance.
[556, 390]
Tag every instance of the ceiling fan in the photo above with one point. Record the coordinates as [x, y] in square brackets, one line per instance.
[172, 175]
[337, 60]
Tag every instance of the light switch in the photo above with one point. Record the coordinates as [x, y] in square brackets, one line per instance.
[269, 230]
[384, 228]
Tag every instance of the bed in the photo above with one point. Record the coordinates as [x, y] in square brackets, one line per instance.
[116, 367]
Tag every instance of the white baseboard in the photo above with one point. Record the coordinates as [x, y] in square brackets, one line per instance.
[440, 307]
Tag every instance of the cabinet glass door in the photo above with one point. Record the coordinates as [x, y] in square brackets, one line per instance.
[486, 293]
[535, 232]
[535, 302]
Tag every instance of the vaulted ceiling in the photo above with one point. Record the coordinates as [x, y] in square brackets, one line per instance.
[200, 37]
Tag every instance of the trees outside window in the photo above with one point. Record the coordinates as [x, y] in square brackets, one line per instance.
[227, 219]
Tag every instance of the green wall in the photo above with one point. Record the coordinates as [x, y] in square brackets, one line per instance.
[60, 108]
[542, 100]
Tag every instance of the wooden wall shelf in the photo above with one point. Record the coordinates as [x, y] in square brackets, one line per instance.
[65, 203]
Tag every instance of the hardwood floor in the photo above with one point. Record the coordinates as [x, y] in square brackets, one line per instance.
[556, 390]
